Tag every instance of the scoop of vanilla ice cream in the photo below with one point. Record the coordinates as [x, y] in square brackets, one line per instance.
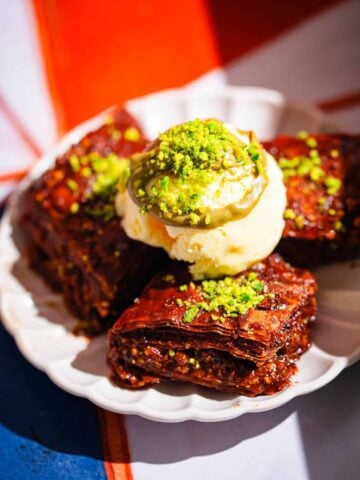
[225, 250]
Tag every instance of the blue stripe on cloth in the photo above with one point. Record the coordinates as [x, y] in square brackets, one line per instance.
[45, 433]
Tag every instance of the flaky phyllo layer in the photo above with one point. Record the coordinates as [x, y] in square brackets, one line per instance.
[252, 351]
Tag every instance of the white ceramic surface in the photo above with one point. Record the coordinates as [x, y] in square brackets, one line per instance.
[41, 325]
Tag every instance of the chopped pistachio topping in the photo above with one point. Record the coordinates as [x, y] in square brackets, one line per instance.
[299, 221]
[333, 185]
[338, 226]
[302, 135]
[322, 203]
[75, 163]
[302, 166]
[169, 278]
[74, 207]
[107, 175]
[132, 134]
[228, 297]
[172, 178]
[289, 214]
[311, 142]
[86, 172]
[316, 173]
[110, 172]
[106, 211]
[191, 313]
[72, 185]
[310, 166]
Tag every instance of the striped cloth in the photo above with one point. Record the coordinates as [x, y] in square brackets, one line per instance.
[63, 61]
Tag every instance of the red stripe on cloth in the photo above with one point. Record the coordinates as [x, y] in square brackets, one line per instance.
[241, 26]
[342, 102]
[14, 176]
[19, 127]
[117, 461]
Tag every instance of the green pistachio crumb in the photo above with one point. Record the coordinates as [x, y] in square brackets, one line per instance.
[85, 172]
[107, 211]
[289, 214]
[207, 219]
[285, 163]
[252, 276]
[313, 153]
[74, 207]
[72, 185]
[194, 218]
[311, 142]
[333, 185]
[110, 174]
[338, 226]
[299, 222]
[322, 203]
[169, 278]
[316, 173]
[190, 314]
[302, 135]
[171, 353]
[305, 166]
[74, 163]
[171, 179]
[228, 297]
[132, 134]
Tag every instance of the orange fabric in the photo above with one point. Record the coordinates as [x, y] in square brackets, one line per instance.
[102, 52]
[117, 461]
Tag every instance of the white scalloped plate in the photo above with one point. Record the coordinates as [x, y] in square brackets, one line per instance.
[42, 327]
